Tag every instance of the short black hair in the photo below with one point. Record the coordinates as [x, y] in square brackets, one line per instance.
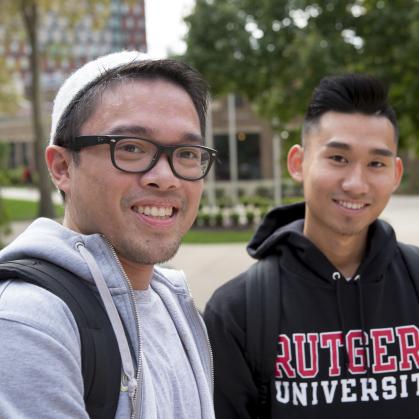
[350, 93]
[85, 102]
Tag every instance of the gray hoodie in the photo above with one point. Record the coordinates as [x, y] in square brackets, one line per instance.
[38, 330]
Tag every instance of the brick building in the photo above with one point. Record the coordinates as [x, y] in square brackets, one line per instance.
[64, 48]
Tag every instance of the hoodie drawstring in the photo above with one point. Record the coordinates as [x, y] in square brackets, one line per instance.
[337, 277]
[365, 343]
[126, 358]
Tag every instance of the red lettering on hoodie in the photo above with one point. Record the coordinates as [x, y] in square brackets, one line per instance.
[332, 340]
[303, 370]
[356, 351]
[283, 359]
[380, 339]
[409, 346]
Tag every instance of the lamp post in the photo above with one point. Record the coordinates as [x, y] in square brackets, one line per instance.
[232, 145]
[276, 162]
[209, 140]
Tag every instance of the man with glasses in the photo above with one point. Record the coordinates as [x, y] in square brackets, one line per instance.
[126, 154]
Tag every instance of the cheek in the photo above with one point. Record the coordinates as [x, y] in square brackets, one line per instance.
[318, 179]
[385, 185]
[194, 193]
[96, 192]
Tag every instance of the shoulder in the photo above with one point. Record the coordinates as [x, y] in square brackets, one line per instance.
[232, 292]
[39, 354]
[32, 307]
[410, 257]
[412, 247]
[170, 277]
[228, 302]
[409, 252]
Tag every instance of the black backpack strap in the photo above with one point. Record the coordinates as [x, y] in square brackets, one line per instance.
[101, 368]
[262, 324]
[410, 255]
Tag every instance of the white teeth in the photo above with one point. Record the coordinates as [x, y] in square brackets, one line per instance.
[351, 205]
[154, 211]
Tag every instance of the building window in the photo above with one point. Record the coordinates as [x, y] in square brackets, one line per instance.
[248, 156]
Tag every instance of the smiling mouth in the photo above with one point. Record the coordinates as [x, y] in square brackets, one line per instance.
[351, 205]
[157, 212]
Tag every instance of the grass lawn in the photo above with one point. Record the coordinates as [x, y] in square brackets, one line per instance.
[20, 210]
[217, 235]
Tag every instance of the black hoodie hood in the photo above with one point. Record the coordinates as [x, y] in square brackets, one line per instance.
[282, 232]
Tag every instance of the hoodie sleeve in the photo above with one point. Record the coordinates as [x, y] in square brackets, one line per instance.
[235, 394]
[40, 363]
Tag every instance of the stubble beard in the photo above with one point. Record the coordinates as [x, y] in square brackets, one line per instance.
[149, 252]
[348, 230]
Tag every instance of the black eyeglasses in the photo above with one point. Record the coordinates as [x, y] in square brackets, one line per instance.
[138, 155]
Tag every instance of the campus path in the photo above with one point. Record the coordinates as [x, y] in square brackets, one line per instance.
[209, 266]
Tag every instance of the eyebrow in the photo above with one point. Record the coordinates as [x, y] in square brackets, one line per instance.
[136, 130]
[384, 152]
[148, 133]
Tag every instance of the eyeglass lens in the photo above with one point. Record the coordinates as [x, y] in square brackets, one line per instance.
[136, 155]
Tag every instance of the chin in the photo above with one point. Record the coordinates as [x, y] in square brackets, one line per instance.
[151, 252]
[350, 231]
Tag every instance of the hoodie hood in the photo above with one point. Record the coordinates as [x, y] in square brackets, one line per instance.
[275, 227]
[48, 240]
[282, 232]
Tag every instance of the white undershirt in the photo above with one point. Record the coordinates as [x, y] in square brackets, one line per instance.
[169, 388]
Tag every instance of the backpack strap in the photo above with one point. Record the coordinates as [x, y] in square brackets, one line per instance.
[101, 368]
[262, 324]
[410, 255]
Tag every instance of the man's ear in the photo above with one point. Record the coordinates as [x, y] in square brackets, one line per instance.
[295, 162]
[58, 160]
[398, 173]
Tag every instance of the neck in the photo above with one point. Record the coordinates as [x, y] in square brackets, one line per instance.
[345, 252]
[139, 275]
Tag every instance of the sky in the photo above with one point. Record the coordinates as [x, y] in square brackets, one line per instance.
[164, 26]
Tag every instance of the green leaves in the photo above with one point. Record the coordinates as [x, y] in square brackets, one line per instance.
[275, 51]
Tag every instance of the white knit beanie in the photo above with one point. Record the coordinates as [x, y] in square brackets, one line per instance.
[84, 76]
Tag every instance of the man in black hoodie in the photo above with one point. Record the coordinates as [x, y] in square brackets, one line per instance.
[346, 341]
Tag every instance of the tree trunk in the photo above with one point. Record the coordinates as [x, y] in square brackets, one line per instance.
[29, 11]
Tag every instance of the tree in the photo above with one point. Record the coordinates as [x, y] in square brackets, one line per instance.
[9, 95]
[28, 15]
[269, 51]
[275, 51]
[9, 99]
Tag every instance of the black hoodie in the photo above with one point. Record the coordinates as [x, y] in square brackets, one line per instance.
[327, 324]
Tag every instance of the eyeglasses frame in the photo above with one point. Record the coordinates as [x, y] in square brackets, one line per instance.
[83, 141]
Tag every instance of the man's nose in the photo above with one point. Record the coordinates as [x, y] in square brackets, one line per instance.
[161, 176]
[356, 180]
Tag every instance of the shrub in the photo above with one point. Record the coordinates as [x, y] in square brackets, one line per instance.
[219, 219]
[264, 192]
[235, 219]
[250, 217]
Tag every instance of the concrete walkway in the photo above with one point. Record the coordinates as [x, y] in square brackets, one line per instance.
[209, 266]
